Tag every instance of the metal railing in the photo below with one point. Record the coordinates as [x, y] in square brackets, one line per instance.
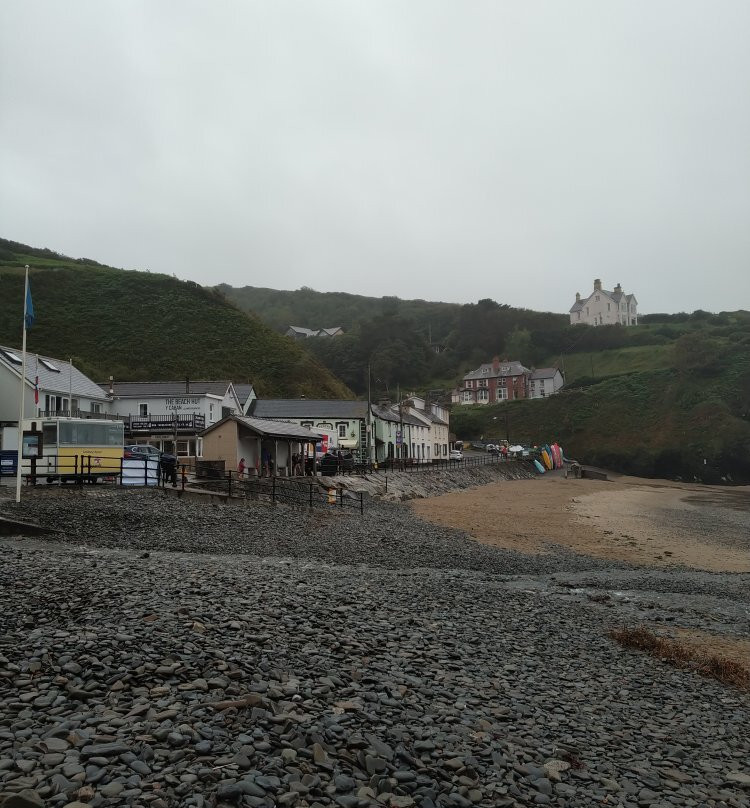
[392, 464]
[76, 413]
[303, 492]
[91, 469]
[164, 423]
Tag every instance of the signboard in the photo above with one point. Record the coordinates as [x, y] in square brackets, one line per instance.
[32, 444]
[399, 438]
[187, 404]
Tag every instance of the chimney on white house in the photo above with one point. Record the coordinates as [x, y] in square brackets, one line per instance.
[597, 285]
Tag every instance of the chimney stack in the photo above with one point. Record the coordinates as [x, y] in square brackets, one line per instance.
[597, 285]
[578, 297]
[618, 289]
[495, 363]
[111, 385]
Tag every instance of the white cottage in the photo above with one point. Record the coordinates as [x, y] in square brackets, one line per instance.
[156, 412]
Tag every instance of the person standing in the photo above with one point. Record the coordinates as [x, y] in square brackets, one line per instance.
[241, 468]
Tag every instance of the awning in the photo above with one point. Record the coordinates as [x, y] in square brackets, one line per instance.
[346, 443]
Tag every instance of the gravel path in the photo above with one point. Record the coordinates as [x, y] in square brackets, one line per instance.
[191, 656]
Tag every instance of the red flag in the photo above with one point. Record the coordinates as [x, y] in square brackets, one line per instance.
[36, 390]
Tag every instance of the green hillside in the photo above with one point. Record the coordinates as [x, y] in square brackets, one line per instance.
[414, 343]
[145, 326]
[661, 423]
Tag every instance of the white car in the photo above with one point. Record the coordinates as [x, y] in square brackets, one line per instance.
[490, 447]
[456, 455]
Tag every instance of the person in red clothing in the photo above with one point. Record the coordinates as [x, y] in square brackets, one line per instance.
[241, 467]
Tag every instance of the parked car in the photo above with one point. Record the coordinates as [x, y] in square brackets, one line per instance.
[456, 454]
[140, 451]
[331, 463]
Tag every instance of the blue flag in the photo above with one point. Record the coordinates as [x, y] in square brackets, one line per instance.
[29, 307]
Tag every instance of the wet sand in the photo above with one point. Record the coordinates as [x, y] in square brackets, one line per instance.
[657, 523]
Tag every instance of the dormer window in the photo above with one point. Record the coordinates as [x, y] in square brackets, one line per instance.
[49, 365]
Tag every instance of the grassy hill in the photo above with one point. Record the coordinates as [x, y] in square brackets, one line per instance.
[147, 326]
[412, 343]
[688, 419]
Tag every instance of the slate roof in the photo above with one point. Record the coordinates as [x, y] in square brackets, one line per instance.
[60, 381]
[513, 368]
[615, 296]
[307, 408]
[271, 429]
[169, 389]
[544, 373]
[385, 413]
[244, 391]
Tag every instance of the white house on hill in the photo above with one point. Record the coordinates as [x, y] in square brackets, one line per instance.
[602, 307]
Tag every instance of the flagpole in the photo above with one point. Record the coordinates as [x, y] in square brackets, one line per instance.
[70, 389]
[23, 389]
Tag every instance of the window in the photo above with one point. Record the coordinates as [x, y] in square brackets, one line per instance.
[143, 410]
[467, 396]
[49, 434]
[308, 424]
[437, 449]
[485, 370]
[342, 430]
[608, 306]
[597, 298]
[502, 394]
[578, 313]
[49, 365]
[96, 407]
[484, 395]
[211, 413]
[14, 358]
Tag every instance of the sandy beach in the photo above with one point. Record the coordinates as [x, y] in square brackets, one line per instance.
[657, 523]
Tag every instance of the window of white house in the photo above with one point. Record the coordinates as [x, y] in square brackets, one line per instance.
[579, 314]
[308, 424]
[437, 449]
[74, 404]
[143, 410]
[608, 306]
[597, 298]
[96, 407]
[342, 430]
[211, 412]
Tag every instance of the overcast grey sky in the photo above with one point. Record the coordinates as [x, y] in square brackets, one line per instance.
[442, 150]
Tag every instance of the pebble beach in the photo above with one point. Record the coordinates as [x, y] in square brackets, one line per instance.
[160, 652]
